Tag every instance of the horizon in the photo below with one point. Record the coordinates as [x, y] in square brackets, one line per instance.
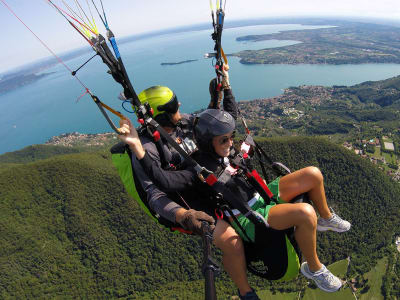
[138, 17]
[197, 27]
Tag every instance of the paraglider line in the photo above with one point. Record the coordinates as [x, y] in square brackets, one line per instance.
[84, 93]
[104, 13]
[51, 51]
[80, 23]
[101, 18]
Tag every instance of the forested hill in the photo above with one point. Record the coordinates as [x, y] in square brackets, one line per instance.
[36, 152]
[68, 228]
[318, 110]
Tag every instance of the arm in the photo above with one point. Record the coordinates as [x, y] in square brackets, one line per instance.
[157, 199]
[229, 103]
[148, 156]
[189, 219]
[168, 181]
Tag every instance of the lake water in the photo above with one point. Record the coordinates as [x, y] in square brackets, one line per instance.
[36, 112]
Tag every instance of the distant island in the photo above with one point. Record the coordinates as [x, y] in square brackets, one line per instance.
[178, 63]
[13, 81]
[345, 43]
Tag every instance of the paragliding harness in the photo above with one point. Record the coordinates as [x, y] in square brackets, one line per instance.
[274, 253]
[266, 256]
[124, 160]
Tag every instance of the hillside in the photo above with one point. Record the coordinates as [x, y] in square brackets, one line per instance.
[363, 118]
[68, 228]
[316, 110]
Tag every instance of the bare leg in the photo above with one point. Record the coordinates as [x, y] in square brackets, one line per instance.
[233, 258]
[307, 180]
[301, 215]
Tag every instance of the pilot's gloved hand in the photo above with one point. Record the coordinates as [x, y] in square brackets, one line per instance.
[214, 101]
[191, 220]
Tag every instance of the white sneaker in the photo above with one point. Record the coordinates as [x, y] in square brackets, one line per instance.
[335, 223]
[323, 278]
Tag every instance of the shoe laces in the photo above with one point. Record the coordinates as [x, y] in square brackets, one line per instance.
[337, 219]
[326, 276]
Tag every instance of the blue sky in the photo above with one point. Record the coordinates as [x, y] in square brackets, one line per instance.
[128, 17]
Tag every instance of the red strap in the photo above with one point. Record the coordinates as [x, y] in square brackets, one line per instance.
[258, 178]
[156, 136]
[219, 216]
[181, 230]
[211, 179]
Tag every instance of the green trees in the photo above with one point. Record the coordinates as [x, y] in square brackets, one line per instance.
[68, 228]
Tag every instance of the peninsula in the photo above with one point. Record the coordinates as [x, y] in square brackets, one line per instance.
[343, 43]
[9, 83]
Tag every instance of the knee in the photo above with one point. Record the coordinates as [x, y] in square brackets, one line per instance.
[307, 214]
[315, 174]
[233, 247]
[229, 242]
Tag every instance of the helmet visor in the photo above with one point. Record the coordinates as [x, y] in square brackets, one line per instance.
[171, 106]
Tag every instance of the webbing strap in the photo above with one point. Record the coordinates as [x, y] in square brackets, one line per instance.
[226, 207]
[261, 182]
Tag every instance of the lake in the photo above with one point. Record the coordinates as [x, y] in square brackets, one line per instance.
[36, 112]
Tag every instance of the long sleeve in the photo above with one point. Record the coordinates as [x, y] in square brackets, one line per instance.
[229, 103]
[157, 199]
[168, 181]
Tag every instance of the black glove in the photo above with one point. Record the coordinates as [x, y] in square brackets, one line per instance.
[192, 219]
[213, 94]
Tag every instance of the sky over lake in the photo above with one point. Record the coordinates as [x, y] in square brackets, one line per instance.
[127, 17]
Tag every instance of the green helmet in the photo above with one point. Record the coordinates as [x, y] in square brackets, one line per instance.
[161, 99]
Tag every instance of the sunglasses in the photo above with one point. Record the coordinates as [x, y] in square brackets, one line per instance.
[226, 139]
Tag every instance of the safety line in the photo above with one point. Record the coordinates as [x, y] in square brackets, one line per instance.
[83, 11]
[76, 15]
[72, 11]
[90, 10]
[83, 94]
[87, 33]
[104, 13]
[51, 51]
[80, 23]
[101, 18]
[87, 91]
[78, 11]
[81, 31]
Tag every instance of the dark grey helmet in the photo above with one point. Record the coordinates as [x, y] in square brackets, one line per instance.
[211, 123]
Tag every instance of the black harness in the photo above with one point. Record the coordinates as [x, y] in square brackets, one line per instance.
[266, 256]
